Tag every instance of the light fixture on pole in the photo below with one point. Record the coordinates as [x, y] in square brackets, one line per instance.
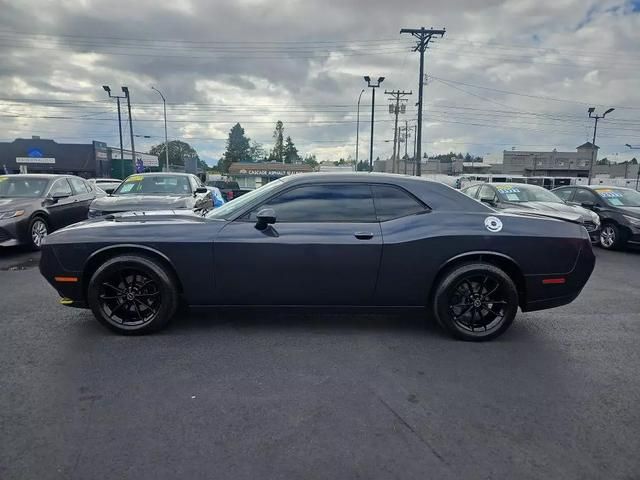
[166, 138]
[595, 128]
[355, 167]
[108, 90]
[373, 106]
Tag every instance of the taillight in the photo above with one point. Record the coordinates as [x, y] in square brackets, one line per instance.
[229, 195]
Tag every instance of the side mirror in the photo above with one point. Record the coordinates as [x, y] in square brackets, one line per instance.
[266, 216]
[589, 205]
[487, 200]
[201, 190]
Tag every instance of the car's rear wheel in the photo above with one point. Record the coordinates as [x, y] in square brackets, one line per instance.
[38, 231]
[475, 301]
[132, 294]
[611, 237]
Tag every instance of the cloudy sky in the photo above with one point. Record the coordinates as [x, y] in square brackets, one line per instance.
[513, 73]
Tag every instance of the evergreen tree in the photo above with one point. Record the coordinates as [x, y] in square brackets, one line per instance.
[278, 148]
[290, 152]
[237, 148]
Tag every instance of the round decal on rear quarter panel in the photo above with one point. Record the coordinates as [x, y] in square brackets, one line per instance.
[493, 224]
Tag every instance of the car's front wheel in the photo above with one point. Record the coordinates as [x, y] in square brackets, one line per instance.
[475, 301]
[38, 231]
[132, 294]
[611, 237]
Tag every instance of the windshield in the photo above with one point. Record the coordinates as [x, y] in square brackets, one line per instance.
[619, 197]
[526, 193]
[154, 185]
[227, 210]
[20, 187]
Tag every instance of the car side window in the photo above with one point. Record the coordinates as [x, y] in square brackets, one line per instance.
[339, 203]
[564, 194]
[193, 182]
[393, 202]
[61, 187]
[487, 192]
[78, 186]
[472, 191]
[584, 195]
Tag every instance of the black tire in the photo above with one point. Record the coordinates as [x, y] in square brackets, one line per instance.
[37, 232]
[475, 302]
[612, 237]
[132, 294]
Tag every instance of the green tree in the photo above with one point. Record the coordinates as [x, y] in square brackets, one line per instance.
[257, 152]
[237, 148]
[311, 160]
[290, 152]
[633, 161]
[602, 161]
[177, 152]
[278, 148]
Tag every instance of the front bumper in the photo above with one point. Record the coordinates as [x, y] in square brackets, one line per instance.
[14, 231]
[71, 293]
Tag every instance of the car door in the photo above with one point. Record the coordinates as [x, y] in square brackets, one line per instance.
[324, 249]
[62, 209]
[82, 198]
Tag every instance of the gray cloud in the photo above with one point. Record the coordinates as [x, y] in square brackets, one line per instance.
[302, 62]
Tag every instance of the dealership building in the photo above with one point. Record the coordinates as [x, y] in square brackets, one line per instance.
[89, 160]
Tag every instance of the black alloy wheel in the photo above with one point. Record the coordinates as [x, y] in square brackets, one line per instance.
[132, 294]
[476, 302]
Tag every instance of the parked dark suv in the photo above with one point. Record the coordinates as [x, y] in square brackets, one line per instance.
[617, 207]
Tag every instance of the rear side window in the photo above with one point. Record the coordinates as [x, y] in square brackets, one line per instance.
[584, 195]
[393, 202]
[471, 191]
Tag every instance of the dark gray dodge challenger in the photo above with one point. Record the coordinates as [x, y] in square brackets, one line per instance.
[324, 240]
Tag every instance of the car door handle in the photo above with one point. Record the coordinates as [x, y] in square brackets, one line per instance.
[363, 235]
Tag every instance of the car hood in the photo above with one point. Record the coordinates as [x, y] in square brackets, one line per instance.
[7, 204]
[553, 209]
[142, 202]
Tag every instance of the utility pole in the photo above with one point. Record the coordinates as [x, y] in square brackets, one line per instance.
[396, 95]
[355, 168]
[107, 89]
[595, 128]
[373, 111]
[133, 148]
[424, 36]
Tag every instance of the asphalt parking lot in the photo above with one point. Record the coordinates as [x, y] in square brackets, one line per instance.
[290, 395]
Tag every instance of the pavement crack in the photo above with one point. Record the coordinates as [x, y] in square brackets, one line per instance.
[414, 431]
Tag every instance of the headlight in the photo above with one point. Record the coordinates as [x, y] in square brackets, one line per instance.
[632, 220]
[13, 214]
[596, 218]
[94, 213]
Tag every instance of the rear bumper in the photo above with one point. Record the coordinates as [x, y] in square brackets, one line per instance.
[540, 295]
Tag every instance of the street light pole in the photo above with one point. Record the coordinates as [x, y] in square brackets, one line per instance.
[595, 128]
[107, 89]
[631, 147]
[373, 111]
[355, 167]
[166, 138]
[133, 148]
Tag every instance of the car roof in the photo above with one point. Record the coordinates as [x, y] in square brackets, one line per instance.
[364, 177]
[155, 174]
[47, 176]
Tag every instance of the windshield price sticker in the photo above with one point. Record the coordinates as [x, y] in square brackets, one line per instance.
[2, 179]
[507, 189]
[135, 178]
[608, 193]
